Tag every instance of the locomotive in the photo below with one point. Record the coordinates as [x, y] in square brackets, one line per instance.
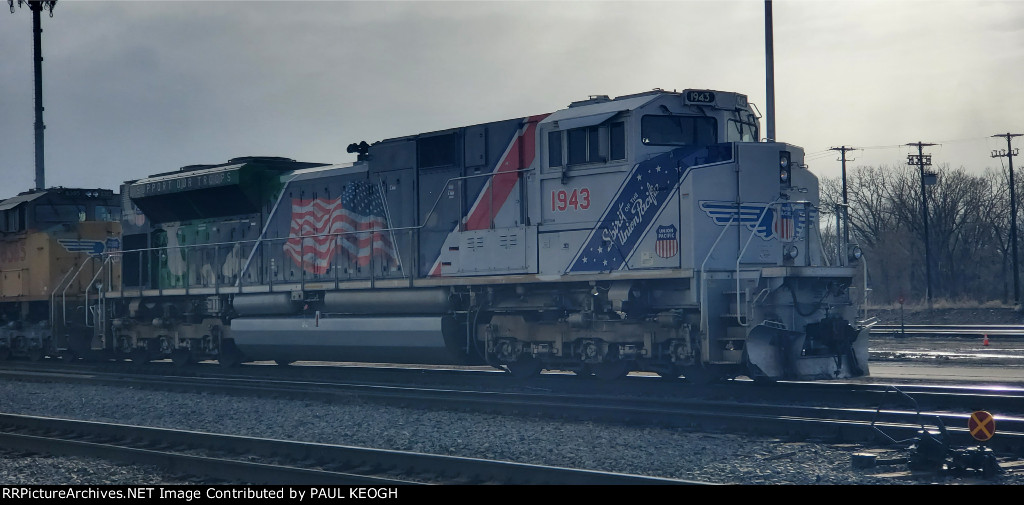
[649, 232]
[49, 241]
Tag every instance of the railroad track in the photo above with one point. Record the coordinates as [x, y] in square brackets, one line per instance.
[324, 383]
[1008, 330]
[858, 413]
[238, 459]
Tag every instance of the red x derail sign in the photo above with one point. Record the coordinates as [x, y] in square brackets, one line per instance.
[982, 425]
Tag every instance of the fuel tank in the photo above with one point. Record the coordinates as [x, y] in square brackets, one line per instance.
[419, 339]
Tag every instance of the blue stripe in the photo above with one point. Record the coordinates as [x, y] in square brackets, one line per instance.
[638, 202]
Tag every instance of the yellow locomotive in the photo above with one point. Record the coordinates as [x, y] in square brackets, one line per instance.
[51, 245]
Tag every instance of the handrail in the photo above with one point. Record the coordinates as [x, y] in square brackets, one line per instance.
[703, 281]
[258, 242]
[821, 246]
[89, 286]
[53, 293]
[266, 226]
[387, 216]
[63, 294]
[739, 257]
[438, 199]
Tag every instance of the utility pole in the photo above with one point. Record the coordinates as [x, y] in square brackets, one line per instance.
[922, 160]
[769, 56]
[37, 6]
[846, 202]
[1009, 153]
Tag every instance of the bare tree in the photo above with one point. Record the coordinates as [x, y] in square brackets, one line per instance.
[966, 217]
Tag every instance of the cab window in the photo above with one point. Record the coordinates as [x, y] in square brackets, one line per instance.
[582, 145]
[678, 130]
[739, 131]
[108, 213]
[60, 213]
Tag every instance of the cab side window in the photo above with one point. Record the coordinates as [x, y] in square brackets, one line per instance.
[617, 141]
[587, 145]
[555, 148]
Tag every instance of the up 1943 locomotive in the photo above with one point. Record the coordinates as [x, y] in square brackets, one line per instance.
[650, 232]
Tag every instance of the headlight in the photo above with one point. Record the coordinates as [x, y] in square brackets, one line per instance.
[854, 253]
[792, 252]
[784, 169]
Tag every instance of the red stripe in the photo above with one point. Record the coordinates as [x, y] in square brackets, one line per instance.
[500, 186]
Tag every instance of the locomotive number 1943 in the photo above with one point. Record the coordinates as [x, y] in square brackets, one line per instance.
[578, 199]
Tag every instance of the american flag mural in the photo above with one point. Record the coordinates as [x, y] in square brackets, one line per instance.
[350, 226]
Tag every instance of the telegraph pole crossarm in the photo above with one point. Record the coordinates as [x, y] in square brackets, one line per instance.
[1009, 153]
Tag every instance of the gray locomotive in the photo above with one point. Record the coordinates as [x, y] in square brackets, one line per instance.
[650, 232]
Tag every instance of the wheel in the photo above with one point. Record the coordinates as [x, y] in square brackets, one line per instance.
[36, 354]
[5, 353]
[68, 356]
[230, 360]
[670, 374]
[283, 362]
[524, 367]
[181, 357]
[699, 375]
[139, 357]
[612, 370]
[229, 356]
[584, 371]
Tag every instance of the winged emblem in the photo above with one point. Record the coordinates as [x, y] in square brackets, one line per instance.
[787, 222]
[92, 247]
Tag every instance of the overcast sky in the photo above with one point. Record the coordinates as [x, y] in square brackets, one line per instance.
[133, 88]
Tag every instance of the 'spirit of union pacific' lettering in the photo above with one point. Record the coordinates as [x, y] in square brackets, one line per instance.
[630, 214]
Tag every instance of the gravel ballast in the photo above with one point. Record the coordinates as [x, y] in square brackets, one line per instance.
[672, 453]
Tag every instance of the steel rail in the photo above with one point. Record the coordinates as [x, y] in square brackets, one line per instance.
[950, 329]
[341, 464]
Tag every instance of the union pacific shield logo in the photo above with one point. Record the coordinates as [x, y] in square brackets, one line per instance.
[667, 245]
[785, 227]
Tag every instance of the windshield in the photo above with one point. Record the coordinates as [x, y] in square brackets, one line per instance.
[738, 131]
[678, 130]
